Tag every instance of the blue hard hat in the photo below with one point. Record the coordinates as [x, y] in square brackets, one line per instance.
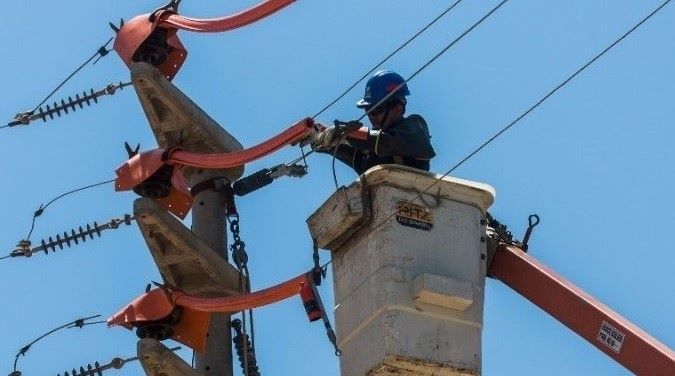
[380, 85]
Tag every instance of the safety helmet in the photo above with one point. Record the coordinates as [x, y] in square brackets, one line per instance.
[380, 85]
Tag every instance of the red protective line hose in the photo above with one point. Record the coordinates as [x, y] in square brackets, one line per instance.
[234, 21]
[238, 158]
[240, 303]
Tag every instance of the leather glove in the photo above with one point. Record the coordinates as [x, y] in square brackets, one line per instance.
[324, 140]
[316, 129]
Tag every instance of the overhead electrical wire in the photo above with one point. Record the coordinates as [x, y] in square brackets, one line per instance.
[79, 323]
[42, 208]
[389, 56]
[530, 109]
[26, 117]
[365, 75]
[385, 59]
[418, 71]
[101, 52]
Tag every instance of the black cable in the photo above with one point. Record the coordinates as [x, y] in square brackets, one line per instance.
[399, 48]
[80, 325]
[98, 52]
[550, 93]
[433, 59]
[335, 179]
[75, 323]
[532, 108]
[385, 59]
[42, 208]
[418, 71]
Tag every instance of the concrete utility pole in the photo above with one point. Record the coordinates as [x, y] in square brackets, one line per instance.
[408, 277]
[209, 224]
[195, 262]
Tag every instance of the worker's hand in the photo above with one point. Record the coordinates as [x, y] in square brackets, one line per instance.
[324, 140]
[316, 128]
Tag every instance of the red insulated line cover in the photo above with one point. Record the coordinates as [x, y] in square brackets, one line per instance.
[243, 302]
[238, 158]
[234, 21]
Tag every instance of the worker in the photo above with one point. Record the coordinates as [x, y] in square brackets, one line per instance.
[393, 139]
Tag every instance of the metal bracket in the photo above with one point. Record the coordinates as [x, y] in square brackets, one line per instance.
[176, 120]
[159, 360]
[184, 261]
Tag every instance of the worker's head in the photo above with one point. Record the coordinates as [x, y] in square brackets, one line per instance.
[382, 112]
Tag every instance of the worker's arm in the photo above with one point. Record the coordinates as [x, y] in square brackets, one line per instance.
[345, 153]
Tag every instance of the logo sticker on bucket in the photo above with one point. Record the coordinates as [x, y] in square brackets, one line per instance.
[414, 216]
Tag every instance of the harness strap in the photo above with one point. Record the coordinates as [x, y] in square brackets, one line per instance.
[217, 185]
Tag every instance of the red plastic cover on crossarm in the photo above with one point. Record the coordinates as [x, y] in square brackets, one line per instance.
[134, 32]
[192, 325]
[143, 165]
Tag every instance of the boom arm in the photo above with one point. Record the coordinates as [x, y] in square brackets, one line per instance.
[598, 324]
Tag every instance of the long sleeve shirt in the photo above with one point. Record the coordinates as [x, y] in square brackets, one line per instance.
[406, 142]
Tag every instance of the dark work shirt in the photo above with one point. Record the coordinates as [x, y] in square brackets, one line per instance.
[406, 142]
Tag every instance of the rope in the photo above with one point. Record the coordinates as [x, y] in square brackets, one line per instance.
[530, 109]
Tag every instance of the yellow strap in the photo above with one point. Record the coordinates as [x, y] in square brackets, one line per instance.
[377, 141]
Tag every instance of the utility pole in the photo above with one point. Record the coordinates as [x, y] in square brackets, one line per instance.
[209, 224]
[195, 262]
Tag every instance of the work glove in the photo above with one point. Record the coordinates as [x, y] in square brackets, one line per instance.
[325, 139]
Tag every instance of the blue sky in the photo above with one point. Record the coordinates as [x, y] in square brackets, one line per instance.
[595, 161]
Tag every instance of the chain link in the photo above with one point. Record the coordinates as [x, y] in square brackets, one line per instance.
[238, 247]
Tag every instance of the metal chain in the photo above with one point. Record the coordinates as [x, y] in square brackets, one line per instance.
[240, 258]
[238, 247]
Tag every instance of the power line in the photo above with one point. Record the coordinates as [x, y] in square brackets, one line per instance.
[531, 108]
[79, 323]
[434, 58]
[42, 208]
[102, 51]
[66, 105]
[418, 71]
[386, 58]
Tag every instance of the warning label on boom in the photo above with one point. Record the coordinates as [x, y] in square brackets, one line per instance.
[414, 216]
[611, 336]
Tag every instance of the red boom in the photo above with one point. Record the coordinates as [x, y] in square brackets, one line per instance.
[579, 311]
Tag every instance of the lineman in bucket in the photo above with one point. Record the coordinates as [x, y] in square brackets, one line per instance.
[393, 139]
